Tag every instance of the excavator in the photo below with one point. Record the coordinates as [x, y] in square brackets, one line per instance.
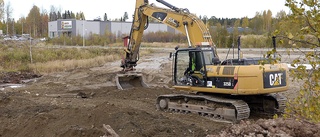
[226, 90]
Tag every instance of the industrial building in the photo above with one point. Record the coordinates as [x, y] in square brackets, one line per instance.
[73, 27]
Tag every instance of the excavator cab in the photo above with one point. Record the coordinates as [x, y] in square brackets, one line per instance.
[189, 68]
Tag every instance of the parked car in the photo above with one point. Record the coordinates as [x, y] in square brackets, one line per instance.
[7, 38]
[23, 39]
[43, 39]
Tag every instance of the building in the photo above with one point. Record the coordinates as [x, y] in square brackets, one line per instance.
[72, 27]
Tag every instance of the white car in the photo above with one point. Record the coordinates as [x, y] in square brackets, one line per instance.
[43, 39]
[7, 38]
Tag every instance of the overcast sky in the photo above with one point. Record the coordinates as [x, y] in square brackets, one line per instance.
[116, 8]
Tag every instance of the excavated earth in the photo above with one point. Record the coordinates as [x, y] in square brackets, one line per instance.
[79, 102]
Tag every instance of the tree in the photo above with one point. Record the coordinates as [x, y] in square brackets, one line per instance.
[82, 17]
[235, 31]
[8, 10]
[213, 20]
[245, 22]
[3, 24]
[13, 30]
[257, 23]
[78, 16]
[125, 16]
[68, 15]
[2, 11]
[20, 25]
[53, 13]
[267, 20]
[72, 15]
[64, 15]
[280, 16]
[34, 21]
[44, 19]
[205, 19]
[105, 18]
[305, 17]
[59, 15]
[220, 35]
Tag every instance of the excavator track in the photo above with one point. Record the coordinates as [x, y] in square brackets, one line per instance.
[265, 105]
[281, 102]
[220, 109]
[223, 109]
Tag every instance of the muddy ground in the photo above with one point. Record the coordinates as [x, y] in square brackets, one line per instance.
[78, 102]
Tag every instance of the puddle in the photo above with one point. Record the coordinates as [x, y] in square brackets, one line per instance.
[4, 86]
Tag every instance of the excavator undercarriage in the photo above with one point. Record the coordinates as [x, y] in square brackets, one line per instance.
[217, 108]
[223, 109]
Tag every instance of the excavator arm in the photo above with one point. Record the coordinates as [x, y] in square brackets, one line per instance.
[180, 19]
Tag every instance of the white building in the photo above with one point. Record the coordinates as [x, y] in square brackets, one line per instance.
[72, 27]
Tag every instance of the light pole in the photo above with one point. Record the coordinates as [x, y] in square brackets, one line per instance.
[30, 49]
[85, 34]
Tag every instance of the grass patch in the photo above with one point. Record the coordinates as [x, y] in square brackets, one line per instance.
[48, 59]
[64, 65]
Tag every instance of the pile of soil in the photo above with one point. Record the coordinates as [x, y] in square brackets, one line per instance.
[17, 77]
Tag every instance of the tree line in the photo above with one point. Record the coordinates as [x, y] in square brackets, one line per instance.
[36, 22]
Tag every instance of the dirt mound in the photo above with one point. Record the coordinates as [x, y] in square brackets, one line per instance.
[16, 77]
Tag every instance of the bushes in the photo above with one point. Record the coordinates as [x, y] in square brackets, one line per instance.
[14, 58]
[108, 39]
[161, 36]
[92, 40]
[255, 41]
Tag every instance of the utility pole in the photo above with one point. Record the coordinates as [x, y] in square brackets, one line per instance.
[22, 29]
[13, 32]
[83, 33]
[7, 26]
[30, 50]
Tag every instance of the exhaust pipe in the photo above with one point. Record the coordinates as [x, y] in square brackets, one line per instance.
[130, 80]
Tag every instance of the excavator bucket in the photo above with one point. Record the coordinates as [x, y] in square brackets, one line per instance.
[130, 80]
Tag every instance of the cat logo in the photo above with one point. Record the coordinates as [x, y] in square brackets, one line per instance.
[275, 79]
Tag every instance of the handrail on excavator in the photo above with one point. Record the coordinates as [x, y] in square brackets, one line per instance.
[169, 5]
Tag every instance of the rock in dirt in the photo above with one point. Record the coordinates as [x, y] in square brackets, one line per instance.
[109, 131]
[272, 128]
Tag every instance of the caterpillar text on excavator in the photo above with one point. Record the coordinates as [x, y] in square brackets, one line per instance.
[223, 90]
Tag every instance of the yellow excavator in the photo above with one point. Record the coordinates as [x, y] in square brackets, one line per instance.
[223, 90]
